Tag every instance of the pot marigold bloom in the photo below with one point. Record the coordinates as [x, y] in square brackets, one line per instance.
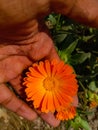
[51, 85]
[93, 104]
[66, 113]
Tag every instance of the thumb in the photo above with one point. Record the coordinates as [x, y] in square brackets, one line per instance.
[53, 54]
[42, 48]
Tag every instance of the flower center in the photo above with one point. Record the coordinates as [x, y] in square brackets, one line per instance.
[50, 83]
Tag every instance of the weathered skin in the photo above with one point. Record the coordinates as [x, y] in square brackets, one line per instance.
[19, 11]
[23, 40]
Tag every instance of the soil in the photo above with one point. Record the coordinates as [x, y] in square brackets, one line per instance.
[10, 121]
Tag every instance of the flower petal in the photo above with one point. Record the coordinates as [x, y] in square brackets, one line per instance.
[48, 68]
[34, 73]
[41, 68]
[50, 103]
[44, 104]
[66, 114]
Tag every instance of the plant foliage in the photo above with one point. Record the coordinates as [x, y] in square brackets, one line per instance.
[77, 45]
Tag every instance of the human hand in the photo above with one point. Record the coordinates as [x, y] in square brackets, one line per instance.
[13, 60]
[18, 51]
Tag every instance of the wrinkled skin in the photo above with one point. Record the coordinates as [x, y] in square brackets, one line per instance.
[24, 40]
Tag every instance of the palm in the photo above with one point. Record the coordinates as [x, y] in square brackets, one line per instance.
[15, 58]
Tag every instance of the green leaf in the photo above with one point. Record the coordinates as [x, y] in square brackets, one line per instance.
[63, 56]
[92, 86]
[81, 123]
[75, 125]
[84, 56]
[60, 37]
[84, 124]
[71, 47]
[52, 19]
[86, 38]
[80, 57]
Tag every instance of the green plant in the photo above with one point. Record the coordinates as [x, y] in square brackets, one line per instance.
[77, 45]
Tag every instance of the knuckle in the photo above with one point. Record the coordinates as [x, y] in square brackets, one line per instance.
[19, 108]
[6, 99]
[5, 95]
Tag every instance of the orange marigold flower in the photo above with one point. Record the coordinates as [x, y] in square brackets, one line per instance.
[66, 113]
[93, 104]
[51, 85]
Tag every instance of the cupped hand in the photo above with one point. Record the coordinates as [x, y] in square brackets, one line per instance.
[14, 58]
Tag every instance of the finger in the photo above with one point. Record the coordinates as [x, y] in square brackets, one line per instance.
[12, 66]
[75, 101]
[16, 83]
[53, 55]
[10, 101]
[43, 48]
[49, 118]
